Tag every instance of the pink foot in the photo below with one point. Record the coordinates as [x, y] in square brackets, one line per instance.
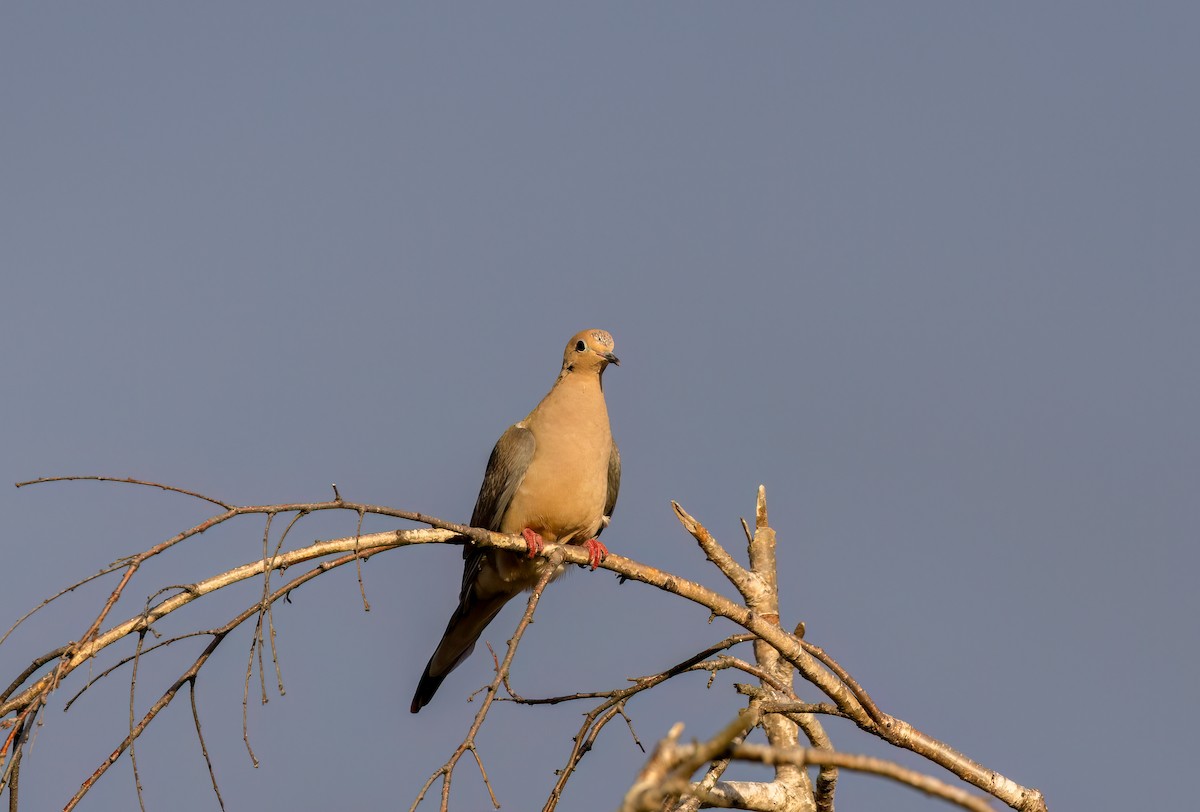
[597, 552]
[534, 542]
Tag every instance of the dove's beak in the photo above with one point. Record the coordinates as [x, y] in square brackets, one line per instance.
[610, 358]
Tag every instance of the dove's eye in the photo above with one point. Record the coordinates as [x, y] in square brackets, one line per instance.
[580, 346]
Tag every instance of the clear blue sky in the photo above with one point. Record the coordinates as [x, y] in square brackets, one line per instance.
[930, 272]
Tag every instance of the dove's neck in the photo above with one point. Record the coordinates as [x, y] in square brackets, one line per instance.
[583, 378]
[576, 398]
[575, 384]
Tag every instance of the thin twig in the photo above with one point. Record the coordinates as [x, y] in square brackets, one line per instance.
[12, 774]
[56, 596]
[362, 590]
[860, 694]
[124, 481]
[126, 660]
[246, 703]
[271, 605]
[446, 771]
[599, 716]
[639, 683]
[728, 661]
[203, 747]
[137, 780]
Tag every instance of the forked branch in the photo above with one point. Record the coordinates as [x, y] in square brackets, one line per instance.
[773, 703]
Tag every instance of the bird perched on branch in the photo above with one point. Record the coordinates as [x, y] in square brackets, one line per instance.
[553, 477]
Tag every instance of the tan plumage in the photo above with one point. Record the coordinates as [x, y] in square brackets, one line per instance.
[552, 476]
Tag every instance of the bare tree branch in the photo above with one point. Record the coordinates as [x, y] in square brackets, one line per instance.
[762, 598]
[658, 781]
[218, 636]
[800, 757]
[773, 703]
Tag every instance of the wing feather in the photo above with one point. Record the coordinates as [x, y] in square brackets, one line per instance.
[505, 470]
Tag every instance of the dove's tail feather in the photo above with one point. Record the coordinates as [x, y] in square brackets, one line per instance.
[464, 628]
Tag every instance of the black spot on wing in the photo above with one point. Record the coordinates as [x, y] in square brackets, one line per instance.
[614, 483]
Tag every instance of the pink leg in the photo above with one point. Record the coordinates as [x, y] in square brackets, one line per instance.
[597, 552]
[534, 542]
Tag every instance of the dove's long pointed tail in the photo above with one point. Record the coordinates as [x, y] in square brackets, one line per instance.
[466, 624]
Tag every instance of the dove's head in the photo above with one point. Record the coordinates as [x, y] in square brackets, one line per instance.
[589, 351]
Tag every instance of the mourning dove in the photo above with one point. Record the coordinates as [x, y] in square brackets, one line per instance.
[553, 477]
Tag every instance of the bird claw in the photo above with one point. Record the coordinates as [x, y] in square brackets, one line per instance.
[534, 542]
[597, 552]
